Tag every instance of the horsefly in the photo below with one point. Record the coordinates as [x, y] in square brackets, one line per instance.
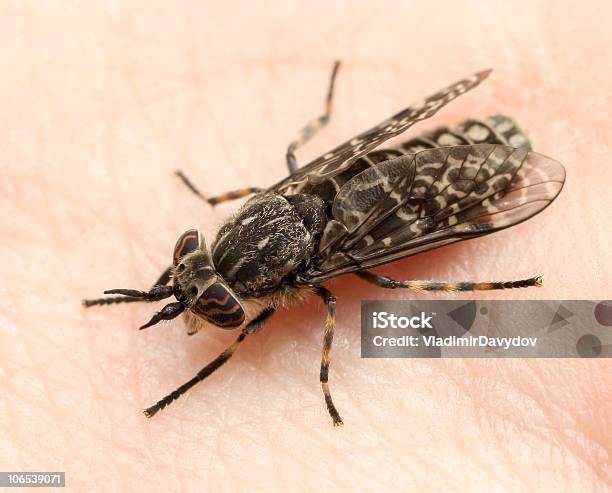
[348, 211]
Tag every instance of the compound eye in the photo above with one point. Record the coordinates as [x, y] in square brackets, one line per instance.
[188, 242]
[220, 306]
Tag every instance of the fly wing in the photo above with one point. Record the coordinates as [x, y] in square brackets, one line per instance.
[344, 155]
[418, 202]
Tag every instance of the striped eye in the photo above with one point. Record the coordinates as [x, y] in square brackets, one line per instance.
[220, 306]
[189, 241]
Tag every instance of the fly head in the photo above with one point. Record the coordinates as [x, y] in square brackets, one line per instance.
[199, 287]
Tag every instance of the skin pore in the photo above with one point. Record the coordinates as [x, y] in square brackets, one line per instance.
[101, 103]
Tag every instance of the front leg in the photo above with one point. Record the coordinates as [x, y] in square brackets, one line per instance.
[213, 366]
[227, 196]
[314, 126]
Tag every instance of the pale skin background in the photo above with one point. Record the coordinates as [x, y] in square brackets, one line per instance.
[101, 101]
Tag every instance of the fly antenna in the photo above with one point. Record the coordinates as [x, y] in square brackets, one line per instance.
[155, 294]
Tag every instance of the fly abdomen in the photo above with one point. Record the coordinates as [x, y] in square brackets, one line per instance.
[496, 129]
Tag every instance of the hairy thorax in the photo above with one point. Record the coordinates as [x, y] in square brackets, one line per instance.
[267, 242]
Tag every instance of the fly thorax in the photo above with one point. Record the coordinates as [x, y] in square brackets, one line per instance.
[269, 239]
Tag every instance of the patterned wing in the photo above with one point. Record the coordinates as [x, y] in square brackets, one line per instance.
[496, 129]
[341, 157]
[422, 201]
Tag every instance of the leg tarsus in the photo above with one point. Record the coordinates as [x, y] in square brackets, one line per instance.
[314, 126]
[187, 182]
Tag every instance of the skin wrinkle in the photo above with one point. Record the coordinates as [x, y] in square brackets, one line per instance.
[570, 444]
[560, 441]
[472, 396]
[65, 274]
[497, 478]
[415, 456]
[25, 335]
[504, 451]
[550, 413]
[500, 414]
[145, 430]
[450, 474]
[378, 428]
[459, 437]
[119, 201]
[11, 428]
[27, 345]
[200, 101]
[397, 430]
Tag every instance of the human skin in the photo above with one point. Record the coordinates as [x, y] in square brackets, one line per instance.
[100, 103]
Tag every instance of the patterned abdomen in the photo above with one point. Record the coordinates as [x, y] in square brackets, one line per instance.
[497, 129]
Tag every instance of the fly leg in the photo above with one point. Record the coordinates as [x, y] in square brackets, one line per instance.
[330, 300]
[163, 280]
[233, 195]
[314, 126]
[214, 365]
[386, 282]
